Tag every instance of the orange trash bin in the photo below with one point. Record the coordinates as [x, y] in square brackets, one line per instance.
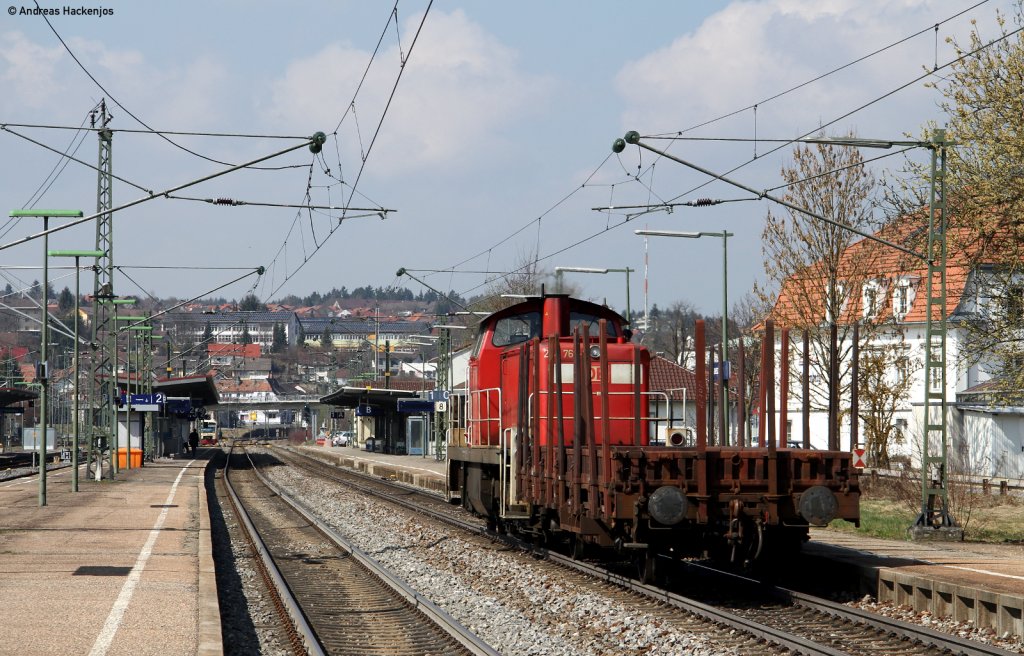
[136, 456]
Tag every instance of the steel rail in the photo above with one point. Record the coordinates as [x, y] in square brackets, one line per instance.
[929, 637]
[452, 627]
[302, 627]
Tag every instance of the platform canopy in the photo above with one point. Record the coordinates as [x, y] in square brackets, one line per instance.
[353, 397]
[9, 395]
[201, 389]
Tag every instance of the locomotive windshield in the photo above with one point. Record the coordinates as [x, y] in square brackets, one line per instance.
[516, 329]
[581, 318]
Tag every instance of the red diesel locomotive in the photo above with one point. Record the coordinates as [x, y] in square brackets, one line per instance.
[558, 444]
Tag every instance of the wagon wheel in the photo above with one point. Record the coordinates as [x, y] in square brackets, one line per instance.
[577, 547]
[647, 566]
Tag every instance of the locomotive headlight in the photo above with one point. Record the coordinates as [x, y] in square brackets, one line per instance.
[667, 505]
[595, 352]
[818, 505]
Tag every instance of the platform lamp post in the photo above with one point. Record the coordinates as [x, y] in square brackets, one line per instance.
[78, 293]
[558, 280]
[723, 366]
[44, 337]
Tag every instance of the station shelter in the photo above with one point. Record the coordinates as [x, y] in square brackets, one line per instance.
[12, 413]
[184, 400]
[378, 422]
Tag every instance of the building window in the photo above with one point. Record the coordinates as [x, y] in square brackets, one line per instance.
[901, 300]
[872, 299]
[1012, 303]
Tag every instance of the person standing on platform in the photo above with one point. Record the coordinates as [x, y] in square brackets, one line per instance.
[193, 441]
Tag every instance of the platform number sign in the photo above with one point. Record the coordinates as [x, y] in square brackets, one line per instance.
[858, 458]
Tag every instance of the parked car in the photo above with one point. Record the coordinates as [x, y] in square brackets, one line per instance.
[341, 439]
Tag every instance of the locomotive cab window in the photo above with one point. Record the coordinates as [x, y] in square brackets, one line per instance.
[516, 329]
[590, 320]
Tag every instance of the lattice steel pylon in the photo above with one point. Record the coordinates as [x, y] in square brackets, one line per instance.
[103, 376]
[935, 518]
[442, 382]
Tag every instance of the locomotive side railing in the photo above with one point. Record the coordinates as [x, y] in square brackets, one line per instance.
[479, 413]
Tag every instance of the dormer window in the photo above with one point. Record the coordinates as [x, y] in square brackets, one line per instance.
[873, 295]
[902, 298]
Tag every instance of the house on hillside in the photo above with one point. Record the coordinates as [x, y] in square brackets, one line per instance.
[353, 334]
[229, 327]
[227, 356]
[887, 299]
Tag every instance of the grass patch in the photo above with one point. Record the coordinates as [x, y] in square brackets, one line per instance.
[986, 518]
[880, 518]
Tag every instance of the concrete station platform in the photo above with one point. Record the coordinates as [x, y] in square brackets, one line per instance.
[121, 567]
[975, 582]
[421, 471]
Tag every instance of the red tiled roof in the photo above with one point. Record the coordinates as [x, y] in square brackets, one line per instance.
[802, 296]
[407, 384]
[245, 386]
[667, 375]
[237, 350]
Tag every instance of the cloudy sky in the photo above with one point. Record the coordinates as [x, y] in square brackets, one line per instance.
[493, 147]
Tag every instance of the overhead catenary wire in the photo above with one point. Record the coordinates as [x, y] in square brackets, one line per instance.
[155, 132]
[73, 159]
[364, 157]
[239, 203]
[148, 198]
[760, 102]
[832, 122]
[123, 108]
[833, 71]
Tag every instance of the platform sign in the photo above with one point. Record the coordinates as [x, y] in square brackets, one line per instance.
[439, 395]
[415, 405]
[65, 455]
[858, 458]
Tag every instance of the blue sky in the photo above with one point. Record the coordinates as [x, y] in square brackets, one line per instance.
[505, 113]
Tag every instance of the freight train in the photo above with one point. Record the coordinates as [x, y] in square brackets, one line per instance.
[560, 443]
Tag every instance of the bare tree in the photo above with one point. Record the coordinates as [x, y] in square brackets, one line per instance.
[885, 378]
[671, 332]
[523, 280]
[823, 275]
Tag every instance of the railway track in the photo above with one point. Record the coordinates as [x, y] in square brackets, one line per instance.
[340, 600]
[783, 618]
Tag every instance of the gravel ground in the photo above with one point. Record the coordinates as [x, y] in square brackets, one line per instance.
[943, 624]
[496, 592]
[26, 471]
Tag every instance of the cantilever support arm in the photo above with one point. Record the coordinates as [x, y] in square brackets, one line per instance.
[633, 137]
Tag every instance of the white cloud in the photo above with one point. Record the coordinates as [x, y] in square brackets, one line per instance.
[460, 91]
[27, 70]
[752, 50]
